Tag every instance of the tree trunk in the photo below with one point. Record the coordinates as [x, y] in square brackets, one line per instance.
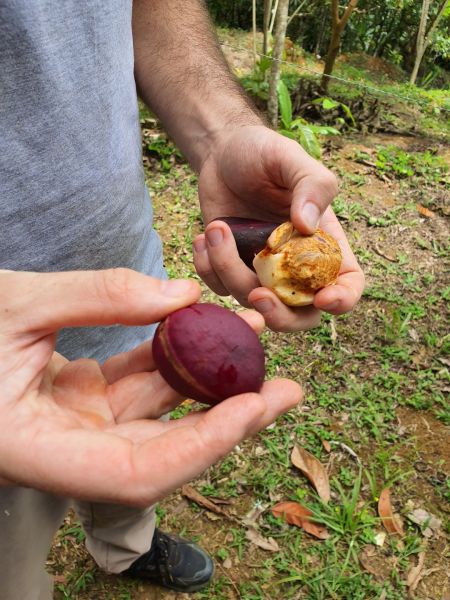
[420, 40]
[333, 51]
[337, 27]
[277, 55]
[424, 36]
[266, 23]
[254, 31]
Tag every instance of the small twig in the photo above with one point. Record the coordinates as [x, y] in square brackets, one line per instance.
[383, 254]
[349, 450]
[236, 589]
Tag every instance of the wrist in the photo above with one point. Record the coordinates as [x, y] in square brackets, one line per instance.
[214, 135]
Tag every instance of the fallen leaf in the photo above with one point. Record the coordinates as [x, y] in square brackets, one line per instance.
[380, 538]
[415, 573]
[313, 469]
[413, 334]
[265, 543]
[326, 445]
[212, 516]
[227, 564]
[296, 514]
[429, 524]
[189, 492]
[365, 561]
[425, 212]
[253, 515]
[223, 501]
[390, 521]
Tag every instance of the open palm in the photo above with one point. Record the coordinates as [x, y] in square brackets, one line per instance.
[90, 431]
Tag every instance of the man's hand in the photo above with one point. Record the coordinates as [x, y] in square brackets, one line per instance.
[254, 172]
[89, 431]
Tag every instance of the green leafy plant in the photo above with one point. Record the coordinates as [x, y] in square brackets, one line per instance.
[399, 163]
[257, 82]
[329, 104]
[347, 519]
[165, 151]
[306, 134]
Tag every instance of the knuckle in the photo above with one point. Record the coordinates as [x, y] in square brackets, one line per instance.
[221, 265]
[205, 272]
[330, 182]
[115, 285]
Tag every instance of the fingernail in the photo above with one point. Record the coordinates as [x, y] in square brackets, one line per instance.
[263, 306]
[214, 236]
[311, 215]
[332, 306]
[200, 245]
[176, 287]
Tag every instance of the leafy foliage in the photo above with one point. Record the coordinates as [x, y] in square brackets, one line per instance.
[165, 151]
[306, 134]
[379, 28]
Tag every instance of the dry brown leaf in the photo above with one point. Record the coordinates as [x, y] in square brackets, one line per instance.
[313, 469]
[189, 492]
[390, 521]
[425, 212]
[365, 560]
[326, 445]
[429, 524]
[296, 514]
[415, 573]
[253, 515]
[265, 543]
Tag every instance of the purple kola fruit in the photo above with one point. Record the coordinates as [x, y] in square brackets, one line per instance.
[208, 353]
[250, 236]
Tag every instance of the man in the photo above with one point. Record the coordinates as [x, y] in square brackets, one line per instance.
[72, 198]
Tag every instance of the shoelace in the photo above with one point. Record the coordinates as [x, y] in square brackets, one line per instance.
[162, 551]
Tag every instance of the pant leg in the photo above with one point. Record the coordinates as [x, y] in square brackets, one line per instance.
[28, 521]
[116, 535]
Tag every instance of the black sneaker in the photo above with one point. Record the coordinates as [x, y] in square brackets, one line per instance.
[173, 563]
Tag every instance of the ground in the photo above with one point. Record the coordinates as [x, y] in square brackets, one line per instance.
[376, 384]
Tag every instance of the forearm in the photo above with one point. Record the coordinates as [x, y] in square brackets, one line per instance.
[182, 75]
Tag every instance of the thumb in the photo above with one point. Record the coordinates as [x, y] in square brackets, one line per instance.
[312, 185]
[312, 196]
[50, 301]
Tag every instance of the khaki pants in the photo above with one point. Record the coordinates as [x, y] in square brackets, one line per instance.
[115, 537]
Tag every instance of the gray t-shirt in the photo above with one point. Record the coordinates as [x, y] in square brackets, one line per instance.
[72, 191]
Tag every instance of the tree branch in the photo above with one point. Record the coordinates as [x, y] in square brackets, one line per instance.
[348, 11]
[434, 24]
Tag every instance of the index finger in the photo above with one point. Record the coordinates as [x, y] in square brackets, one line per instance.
[50, 301]
[222, 262]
